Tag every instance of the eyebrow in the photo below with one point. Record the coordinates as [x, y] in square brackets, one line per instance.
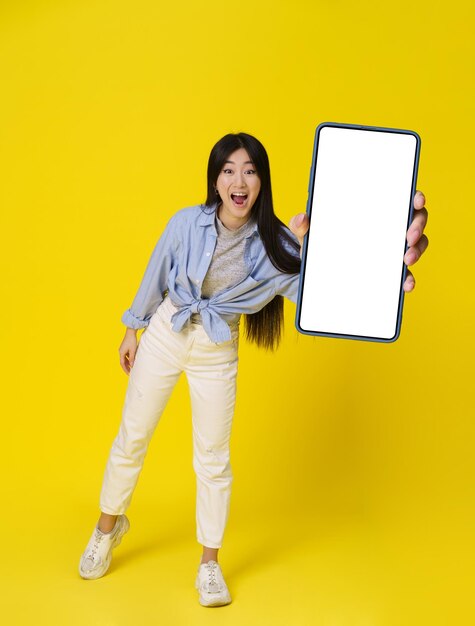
[245, 162]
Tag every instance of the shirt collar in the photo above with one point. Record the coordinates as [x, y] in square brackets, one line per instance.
[207, 214]
[207, 219]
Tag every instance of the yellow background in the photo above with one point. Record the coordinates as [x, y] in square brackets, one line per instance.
[353, 461]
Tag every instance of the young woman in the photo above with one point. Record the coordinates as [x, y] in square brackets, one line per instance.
[213, 263]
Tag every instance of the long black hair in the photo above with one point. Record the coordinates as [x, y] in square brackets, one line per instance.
[264, 327]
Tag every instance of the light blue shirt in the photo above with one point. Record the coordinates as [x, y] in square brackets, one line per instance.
[179, 264]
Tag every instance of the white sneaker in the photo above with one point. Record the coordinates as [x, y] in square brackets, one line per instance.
[210, 583]
[97, 556]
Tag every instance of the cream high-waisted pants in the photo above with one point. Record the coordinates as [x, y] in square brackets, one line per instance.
[211, 371]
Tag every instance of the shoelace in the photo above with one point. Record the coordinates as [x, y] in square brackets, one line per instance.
[97, 540]
[213, 584]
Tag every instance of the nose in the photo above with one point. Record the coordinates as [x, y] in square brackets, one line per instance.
[239, 179]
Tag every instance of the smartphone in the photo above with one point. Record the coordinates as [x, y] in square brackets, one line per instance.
[360, 205]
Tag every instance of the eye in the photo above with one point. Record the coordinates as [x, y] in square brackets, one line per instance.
[251, 172]
[227, 170]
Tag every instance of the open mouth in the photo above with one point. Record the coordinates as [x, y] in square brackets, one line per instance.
[238, 199]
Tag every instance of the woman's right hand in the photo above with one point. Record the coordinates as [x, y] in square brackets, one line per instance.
[127, 350]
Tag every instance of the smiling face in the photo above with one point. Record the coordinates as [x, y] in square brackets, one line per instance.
[238, 185]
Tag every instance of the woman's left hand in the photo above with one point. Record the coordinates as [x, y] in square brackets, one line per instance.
[416, 239]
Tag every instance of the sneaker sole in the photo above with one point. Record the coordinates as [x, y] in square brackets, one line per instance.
[210, 603]
[87, 575]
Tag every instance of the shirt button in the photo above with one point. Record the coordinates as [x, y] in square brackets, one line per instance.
[197, 282]
[208, 253]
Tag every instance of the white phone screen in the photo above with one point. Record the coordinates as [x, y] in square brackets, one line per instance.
[359, 208]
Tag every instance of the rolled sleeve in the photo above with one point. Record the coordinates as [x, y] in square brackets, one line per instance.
[154, 281]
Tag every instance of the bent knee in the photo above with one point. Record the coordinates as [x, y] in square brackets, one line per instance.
[213, 463]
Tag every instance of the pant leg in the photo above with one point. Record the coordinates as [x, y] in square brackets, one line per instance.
[157, 367]
[211, 371]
